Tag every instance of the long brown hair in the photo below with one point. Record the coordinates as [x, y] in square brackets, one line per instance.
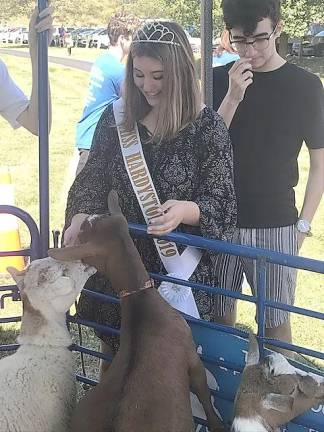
[180, 98]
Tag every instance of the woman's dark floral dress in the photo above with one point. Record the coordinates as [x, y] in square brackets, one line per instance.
[196, 166]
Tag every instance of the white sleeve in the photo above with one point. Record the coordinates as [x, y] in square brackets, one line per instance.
[12, 100]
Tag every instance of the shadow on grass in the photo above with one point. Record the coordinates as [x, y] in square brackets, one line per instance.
[244, 327]
[85, 365]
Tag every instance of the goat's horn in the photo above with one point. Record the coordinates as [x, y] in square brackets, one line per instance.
[113, 204]
[17, 275]
[14, 271]
[253, 355]
[73, 253]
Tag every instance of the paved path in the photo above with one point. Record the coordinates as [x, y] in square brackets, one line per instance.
[64, 61]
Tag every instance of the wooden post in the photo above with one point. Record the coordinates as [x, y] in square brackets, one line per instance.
[206, 25]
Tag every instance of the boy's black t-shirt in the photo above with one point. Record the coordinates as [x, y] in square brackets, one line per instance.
[280, 110]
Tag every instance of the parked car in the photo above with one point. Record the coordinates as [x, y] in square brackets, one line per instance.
[103, 40]
[10, 35]
[80, 36]
[99, 39]
[4, 34]
[15, 34]
[55, 39]
[307, 49]
[22, 38]
[195, 42]
[74, 35]
[315, 28]
[318, 43]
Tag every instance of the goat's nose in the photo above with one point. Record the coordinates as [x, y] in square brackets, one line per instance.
[65, 271]
[90, 270]
[268, 360]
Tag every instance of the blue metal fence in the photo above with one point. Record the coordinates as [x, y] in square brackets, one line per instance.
[222, 348]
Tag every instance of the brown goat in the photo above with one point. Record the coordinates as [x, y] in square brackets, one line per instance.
[147, 386]
[273, 392]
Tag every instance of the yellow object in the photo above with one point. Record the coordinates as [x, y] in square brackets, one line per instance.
[9, 232]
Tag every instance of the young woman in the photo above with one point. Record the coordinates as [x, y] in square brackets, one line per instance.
[187, 152]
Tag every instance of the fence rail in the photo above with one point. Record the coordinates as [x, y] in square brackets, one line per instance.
[262, 257]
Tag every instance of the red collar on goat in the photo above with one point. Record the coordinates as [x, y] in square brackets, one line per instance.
[148, 284]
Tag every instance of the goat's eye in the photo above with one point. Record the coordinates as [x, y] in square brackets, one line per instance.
[42, 278]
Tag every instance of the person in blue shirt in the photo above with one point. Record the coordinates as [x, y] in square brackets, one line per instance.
[106, 77]
[224, 53]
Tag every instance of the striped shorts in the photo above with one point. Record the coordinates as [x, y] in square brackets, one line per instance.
[280, 280]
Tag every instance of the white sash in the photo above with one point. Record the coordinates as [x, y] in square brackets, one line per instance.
[178, 266]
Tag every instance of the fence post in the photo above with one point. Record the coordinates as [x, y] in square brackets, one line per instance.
[261, 283]
[43, 135]
[206, 25]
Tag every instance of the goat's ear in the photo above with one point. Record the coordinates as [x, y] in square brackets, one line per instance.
[308, 386]
[253, 355]
[73, 253]
[18, 276]
[63, 289]
[278, 402]
[113, 204]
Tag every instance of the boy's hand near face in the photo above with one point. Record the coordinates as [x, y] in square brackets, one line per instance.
[240, 77]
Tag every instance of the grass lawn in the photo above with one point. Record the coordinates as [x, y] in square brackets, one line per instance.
[19, 151]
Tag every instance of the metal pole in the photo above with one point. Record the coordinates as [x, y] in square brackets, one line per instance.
[206, 25]
[261, 265]
[43, 135]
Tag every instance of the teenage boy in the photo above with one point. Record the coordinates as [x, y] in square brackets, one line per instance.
[106, 78]
[270, 107]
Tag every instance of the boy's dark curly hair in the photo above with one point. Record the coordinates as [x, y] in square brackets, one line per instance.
[247, 13]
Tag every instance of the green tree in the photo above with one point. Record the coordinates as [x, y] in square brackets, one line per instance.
[15, 8]
[89, 13]
[297, 16]
[185, 12]
[218, 22]
[147, 8]
[68, 12]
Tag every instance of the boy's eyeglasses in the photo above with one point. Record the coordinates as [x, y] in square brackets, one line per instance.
[259, 44]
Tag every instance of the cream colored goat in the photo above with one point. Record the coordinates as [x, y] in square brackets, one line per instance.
[37, 383]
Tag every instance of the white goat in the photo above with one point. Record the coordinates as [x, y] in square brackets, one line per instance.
[273, 392]
[37, 382]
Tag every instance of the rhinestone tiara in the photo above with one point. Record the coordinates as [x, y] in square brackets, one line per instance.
[155, 32]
